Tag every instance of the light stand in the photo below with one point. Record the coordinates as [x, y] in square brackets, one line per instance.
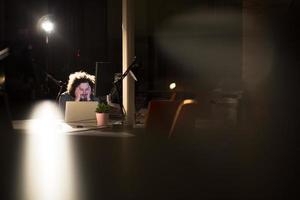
[46, 89]
[47, 26]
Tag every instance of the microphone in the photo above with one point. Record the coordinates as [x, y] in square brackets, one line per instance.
[57, 82]
[132, 75]
[4, 53]
[133, 66]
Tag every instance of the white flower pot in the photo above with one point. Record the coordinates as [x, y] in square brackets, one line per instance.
[102, 119]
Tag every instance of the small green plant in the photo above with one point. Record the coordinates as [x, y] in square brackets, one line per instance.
[102, 108]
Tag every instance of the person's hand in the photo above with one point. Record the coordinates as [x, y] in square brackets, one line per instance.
[78, 94]
[88, 96]
[82, 97]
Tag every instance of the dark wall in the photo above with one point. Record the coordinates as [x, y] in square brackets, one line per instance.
[89, 32]
[271, 98]
[194, 43]
[86, 32]
[271, 63]
[2, 21]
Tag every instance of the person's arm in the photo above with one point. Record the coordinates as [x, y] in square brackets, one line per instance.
[62, 103]
[63, 98]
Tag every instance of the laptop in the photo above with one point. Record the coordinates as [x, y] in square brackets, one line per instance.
[81, 113]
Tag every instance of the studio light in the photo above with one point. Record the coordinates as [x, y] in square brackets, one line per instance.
[47, 26]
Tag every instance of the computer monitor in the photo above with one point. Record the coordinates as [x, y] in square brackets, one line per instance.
[104, 73]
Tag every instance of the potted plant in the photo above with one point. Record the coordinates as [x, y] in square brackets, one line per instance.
[102, 114]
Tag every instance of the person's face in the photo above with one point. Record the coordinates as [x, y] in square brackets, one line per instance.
[83, 91]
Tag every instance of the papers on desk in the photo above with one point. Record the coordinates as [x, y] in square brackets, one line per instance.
[36, 126]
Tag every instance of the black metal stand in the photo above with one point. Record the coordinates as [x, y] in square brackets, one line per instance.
[116, 84]
[60, 84]
[117, 87]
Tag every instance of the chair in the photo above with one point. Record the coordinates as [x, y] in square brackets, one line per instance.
[160, 116]
[184, 119]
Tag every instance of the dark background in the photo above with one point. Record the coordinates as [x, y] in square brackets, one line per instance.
[230, 46]
[90, 31]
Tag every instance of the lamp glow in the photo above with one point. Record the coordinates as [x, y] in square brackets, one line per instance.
[172, 86]
[47, 26]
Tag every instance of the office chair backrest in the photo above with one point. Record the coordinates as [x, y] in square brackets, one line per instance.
[185, 117]
[160, 116]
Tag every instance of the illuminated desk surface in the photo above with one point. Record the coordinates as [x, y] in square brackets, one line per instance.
[60, 127]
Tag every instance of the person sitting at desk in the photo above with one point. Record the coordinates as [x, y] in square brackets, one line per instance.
[80, 88]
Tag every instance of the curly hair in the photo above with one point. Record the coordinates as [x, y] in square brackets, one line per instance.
[77, 78]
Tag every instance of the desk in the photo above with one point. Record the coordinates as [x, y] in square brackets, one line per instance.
[78, 167]
[60, 127]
